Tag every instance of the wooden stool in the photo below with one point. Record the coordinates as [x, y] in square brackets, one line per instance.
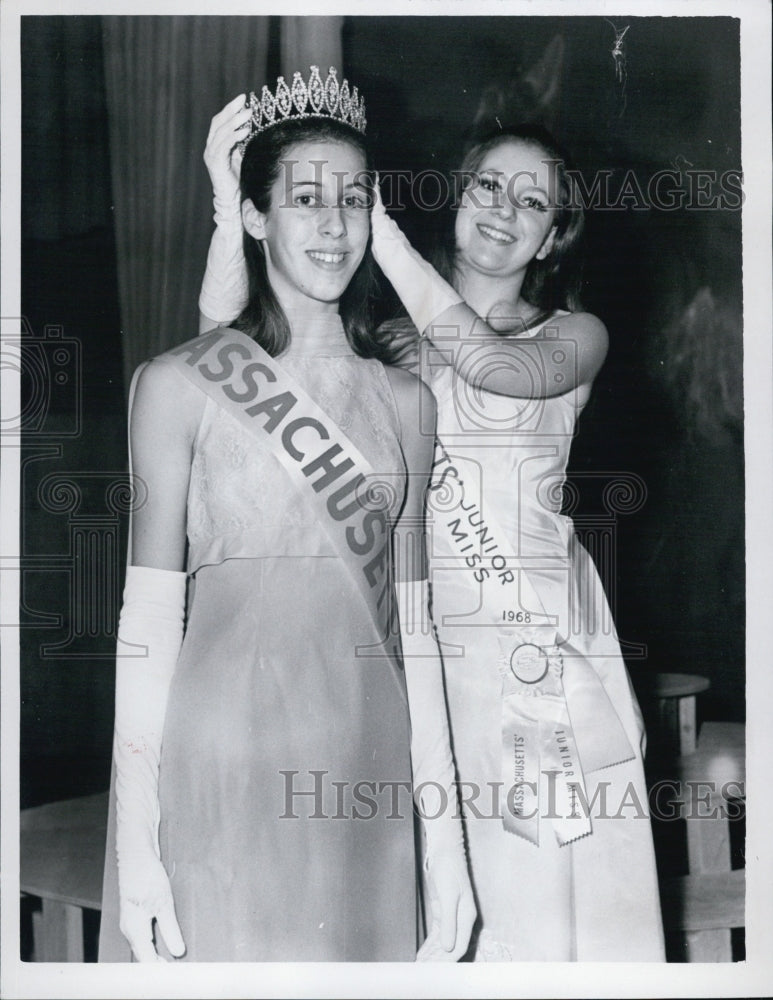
[62, 855]
[710, 900]
[674, 697]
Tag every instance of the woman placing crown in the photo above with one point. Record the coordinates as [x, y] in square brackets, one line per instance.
[546, 732]
[539, 698]
[270, 728]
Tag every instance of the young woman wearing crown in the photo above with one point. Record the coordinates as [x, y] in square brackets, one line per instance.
[267, 750]
[546, 732]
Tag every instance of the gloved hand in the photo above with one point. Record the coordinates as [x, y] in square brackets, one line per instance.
[451, 905]
[422, 291]
[224, 289]
[150, 634]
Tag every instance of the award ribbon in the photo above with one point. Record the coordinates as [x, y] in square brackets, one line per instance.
[542, 768]
[540, 750]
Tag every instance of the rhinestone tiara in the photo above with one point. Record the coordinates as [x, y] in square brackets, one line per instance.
[314, 99]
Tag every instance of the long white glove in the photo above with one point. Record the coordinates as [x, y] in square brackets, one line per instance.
[150, 633]
[452, 907]
[422, 291]
[224, 290]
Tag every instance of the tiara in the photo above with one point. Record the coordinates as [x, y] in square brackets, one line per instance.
[314, 99]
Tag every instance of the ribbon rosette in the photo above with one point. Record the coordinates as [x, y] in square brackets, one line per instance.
[541, 766]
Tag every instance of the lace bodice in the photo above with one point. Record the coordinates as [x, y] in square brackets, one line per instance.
[241, 502]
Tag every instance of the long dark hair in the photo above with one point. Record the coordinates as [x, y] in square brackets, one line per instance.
[263, 317]
[555, 281]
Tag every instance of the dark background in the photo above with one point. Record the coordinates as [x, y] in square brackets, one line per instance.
[666, 408]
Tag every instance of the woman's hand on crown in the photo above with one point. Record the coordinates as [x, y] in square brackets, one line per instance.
[222, 155]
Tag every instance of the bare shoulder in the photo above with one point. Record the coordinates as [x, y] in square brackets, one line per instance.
[164, 398]
[583, 325]
[590, 337]
[411, 394]
[585, 322]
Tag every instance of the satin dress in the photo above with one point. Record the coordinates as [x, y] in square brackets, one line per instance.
[278, 730]
[596, 898]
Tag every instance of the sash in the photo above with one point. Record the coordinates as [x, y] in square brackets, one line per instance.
[349, 501]
[541, 732]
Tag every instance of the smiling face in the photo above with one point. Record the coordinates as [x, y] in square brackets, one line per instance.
[316, 229]
[506, 216]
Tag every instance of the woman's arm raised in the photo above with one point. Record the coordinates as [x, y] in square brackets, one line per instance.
[451, 900]
[150, 632]
[565, 354]
[224, 288]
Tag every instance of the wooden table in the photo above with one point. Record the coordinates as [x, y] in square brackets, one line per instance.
[61, 861]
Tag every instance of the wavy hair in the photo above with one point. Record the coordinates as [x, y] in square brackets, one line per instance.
[555, 281]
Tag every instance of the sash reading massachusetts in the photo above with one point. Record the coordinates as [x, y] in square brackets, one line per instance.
[243, 379]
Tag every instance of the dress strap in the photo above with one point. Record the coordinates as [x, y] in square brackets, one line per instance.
[543, 318]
